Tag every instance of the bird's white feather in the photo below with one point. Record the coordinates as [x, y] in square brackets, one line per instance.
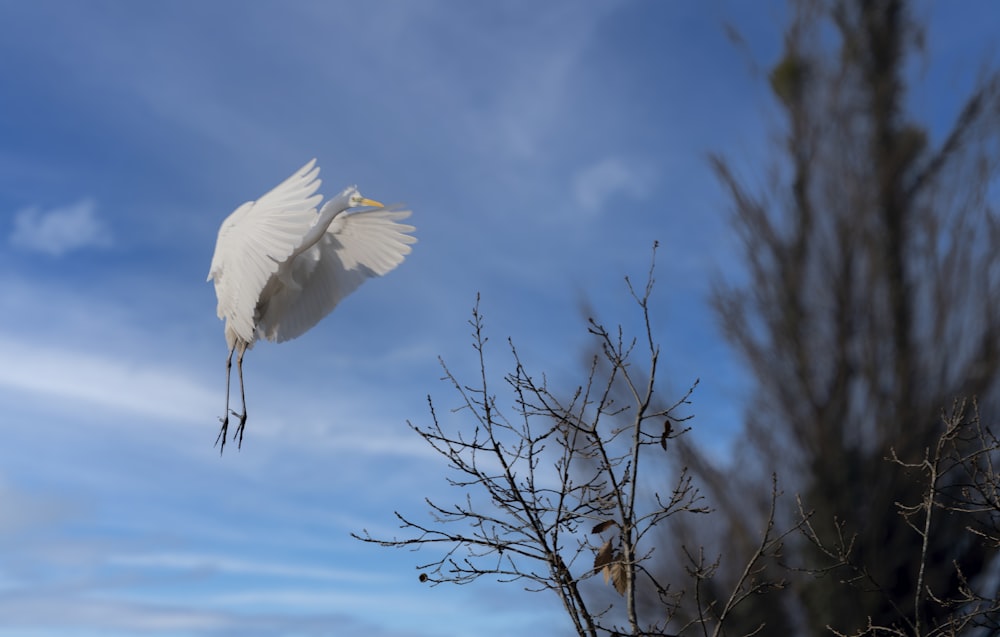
[254, 241]
[355, 247]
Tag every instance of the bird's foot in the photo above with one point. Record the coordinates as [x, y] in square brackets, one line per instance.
[239, 429]
[224, 429]
[222, 433]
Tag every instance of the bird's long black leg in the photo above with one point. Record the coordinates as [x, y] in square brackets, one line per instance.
[225, 419]
[243, 398]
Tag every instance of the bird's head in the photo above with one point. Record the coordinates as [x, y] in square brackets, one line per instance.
[355, 199]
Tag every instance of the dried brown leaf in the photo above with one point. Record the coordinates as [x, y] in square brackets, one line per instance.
[612, 566]
[604, 526]
[604, 556]
[617, 573]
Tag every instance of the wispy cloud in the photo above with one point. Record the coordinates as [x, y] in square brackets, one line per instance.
[36, 610]
[530, 85]
[58, 231]
[229, 565]
[84, 376]
[599, 183]
[67, 377]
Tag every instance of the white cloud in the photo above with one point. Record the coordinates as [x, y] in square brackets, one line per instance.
[60, 230]
[69, 377]
[82, 376]
[34, 611]
[229, 565]
[597, 184]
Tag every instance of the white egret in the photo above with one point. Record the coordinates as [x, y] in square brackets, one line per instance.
[279, 266]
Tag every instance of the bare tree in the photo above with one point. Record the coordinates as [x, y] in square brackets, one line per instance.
[873, 301]
[556, 488]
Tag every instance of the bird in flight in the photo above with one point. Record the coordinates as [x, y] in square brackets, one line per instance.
[280, 266]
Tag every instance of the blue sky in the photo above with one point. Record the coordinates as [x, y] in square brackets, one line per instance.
[542, 148]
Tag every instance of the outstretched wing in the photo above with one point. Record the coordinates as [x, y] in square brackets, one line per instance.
[356, 247]
[254, 241]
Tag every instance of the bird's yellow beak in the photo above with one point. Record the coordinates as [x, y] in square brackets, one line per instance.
[372, 202]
